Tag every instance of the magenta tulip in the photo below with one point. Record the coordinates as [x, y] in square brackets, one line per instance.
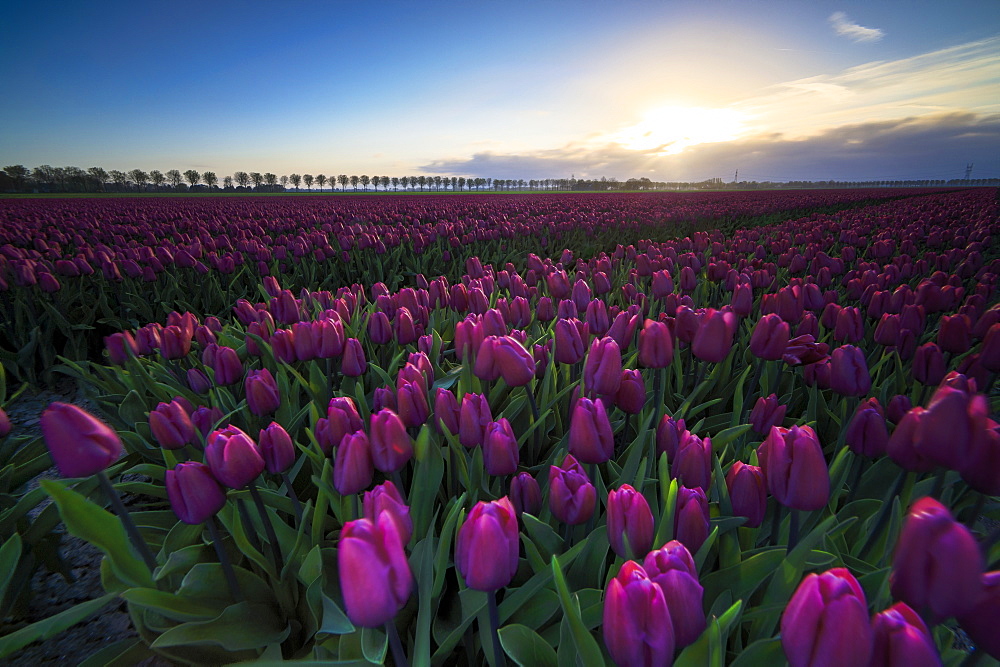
[80, 444]
[487, 548]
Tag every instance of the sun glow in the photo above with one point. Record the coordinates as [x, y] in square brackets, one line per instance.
[671, 129]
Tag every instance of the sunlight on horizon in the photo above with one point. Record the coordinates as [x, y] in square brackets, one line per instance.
[672, 129]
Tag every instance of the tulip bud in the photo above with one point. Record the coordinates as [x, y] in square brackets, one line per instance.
[629, 517]
[602, 374]
[747, 492]
[692, 464]
[353, 469]
[571, 495]
[590, 437]
[205, 419]
[631, 394]
[668, 436]
[411, 403]
[691, 519]
[714, 337]
[637, 623]
[769, 338]
[898, 406]
[233, 457]
[175, 343]
[826, 621]
[474, 419]
[193, 492]
[849, 371]
[391, 445]
[487, 548]
[5, 426]
[672, 568]
[954, 334]
[795, 469]
[767, 412]
[656, 345]
[980, 622]
[342, 419]
[276, 448]
[120, 347]
[905, 445]
[525, 494]
[937, 563]
[262, 392]
[569, 344]
[375, 577]
[446, 410]
[901, 639]
[514, 363]
[379, 329]
[329, 337]
[500, 451]
[385, 498]
[80, 444]
[227, 366]
[928, 364]
[354, 363]
[850, 326]
[867, 434]
[171, 425]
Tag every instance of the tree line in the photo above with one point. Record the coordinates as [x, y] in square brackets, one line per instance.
[45, 178]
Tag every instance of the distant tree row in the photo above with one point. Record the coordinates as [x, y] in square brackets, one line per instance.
[18, 178]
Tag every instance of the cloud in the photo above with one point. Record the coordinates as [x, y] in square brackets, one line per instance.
[844, 27]
[926, 147]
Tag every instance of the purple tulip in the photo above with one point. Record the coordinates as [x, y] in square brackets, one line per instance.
[747, 492]
[375, 577]
[385, 498]
[901, 639]
[691, 519]
[795, 469]
[276, 448]
[474, 418]
[262, 392]
[629, 517]
[525, 494]
[672, 568]
[849, 371]
[602, 374]
[826, 622]
[233, 457]
[770, 337]
[487, 548]
[638, 630]
[354, 363]
[590, 437]
[980, 622]
[656, 345]
[867, 434]
[353, 469]
[171, 425]
[767, 412]
[692, 464]
[391, 445]
[571, 495]
[80, 444]
[193, 492]
[500, 451]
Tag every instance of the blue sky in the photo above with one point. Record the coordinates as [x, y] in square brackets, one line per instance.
[543, 89]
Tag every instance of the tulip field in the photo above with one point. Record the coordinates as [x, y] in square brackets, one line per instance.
[734, 428]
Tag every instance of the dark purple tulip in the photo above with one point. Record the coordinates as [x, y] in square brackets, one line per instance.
[905, 445]
[174, 343]
[669, 433]
[446, 410]
[804, 350]
[867, 434]
[500, 450]
[954, 334]
[5, 425]
[898, 406]
[283, 346]
[525, 494]
[385, 498]
[120, 347]
[261, 392]
[656, 345]
[901, 639]
[571, 495]
[354, 363]
[850, 327]
[928, 364]
[826, 622]
[342, 418]
[193, 493]
[795, 469]
[692, 464]
[629, 517]
[379, 329]
[767, 412]
[80, 444]
[171, 425]
[631, 394]
[672, 568]
[391, 445]
[747, 492]
[849, 371]
[486, 551]
[205, 419]
[590, 437]
[937, 563]
[411, 403]
[691, 519]
[328, 335]
[515, 363]
[474, 418]
[980, 622]
[715, 334]
[769, 338]
[227, 366]
[637, 624]
[603, 371]
[375, 577]
[276, 448]
[353, 469]
[569, 347]
[233, 457]
[304, 341]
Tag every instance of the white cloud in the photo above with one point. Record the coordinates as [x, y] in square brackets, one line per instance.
[844, 27]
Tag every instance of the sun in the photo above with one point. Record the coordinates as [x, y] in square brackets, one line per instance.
[671, 129]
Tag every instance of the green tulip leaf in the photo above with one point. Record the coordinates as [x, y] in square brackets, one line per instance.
[246, 625]
[374, 644]
[588, 651]
[762, 652]
[335, 621]
[10, 554]
[101, 528]
[170, 605]
[526, 648]
[51, 626]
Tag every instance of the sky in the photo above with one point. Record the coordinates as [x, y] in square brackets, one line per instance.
[671, 91]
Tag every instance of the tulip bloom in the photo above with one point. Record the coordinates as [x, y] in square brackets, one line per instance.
[901, 639]
[120, 347]
[411, 403]
[262, 392]
[391, 445]
[937, 563]
[928, 364]
[500, 451]
[795, 469]
[980, 621]
[353, 469]
[193, 492]
[80, 443]
[227, 366]
[525, 494]
[602, 374]
[629, 517]
[714, 337]
[826, 622]
[692, 464]
[672, 568]
[171, 425]
[515, 363]
[487, 547]
[473, 420]
[343, 418]
[276, 448]
[569, 343]
[5, 426]
[354, 363]
[638, 630]
[767, 412]
[590, 437]
[631, 394]
[867, 434]
[571, 495]
[446, 410]
[375, 577]
[770, 337]
[656, 345]
[669, 433]
[691, 518]
[849, 371]
[385, 498]
[747, 492]
[233, 457]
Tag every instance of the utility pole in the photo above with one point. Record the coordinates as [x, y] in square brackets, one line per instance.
[968, 170]
[736, 177]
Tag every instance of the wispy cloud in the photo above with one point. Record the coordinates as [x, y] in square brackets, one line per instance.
[844, 27]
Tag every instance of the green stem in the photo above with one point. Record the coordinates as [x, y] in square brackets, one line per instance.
[883, 514]
[793, 529]
[247, 522]
[855, 478]
[227, 566]
[265, 519]
[494, 629]
[292, 495]
[536, 438]
[398, 655]
[133, 531]
[939, 482]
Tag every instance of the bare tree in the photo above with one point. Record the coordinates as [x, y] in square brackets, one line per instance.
[284, 181]
[404, 181]
[242, 178]
[257, 178]
[343, 180]
[308, 178]
[295, 179]
[385, 182]
[321, 181]
[174, 178]
[157, 177]
[365, 180]
[192, 177]
[227, 182]
[354, 182]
